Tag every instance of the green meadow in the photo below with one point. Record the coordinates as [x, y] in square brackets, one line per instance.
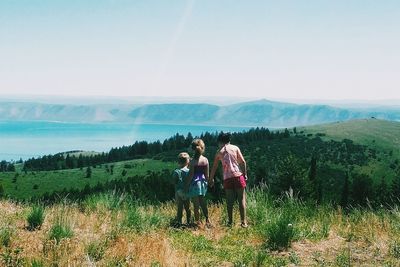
[24, 185]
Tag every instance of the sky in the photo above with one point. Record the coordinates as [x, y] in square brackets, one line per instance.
[314, 49]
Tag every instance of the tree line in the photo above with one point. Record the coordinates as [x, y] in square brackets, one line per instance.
[285, 162]
[6, 166]
[143, 149]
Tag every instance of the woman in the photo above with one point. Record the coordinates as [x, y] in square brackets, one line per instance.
[196, 183]
[235, 173]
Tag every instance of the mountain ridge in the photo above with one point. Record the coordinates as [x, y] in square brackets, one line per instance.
[261, 112]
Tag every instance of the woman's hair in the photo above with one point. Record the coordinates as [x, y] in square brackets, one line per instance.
[199, 147]
[224, 138]
[183, 158]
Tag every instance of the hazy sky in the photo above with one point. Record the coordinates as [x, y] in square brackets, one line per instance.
[314, 49]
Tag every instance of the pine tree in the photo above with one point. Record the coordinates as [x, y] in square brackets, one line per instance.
[88, 172]
[344, 201]
[362, 189]
[382, 192]
[395, 189]
[1, 191]
[315, 182]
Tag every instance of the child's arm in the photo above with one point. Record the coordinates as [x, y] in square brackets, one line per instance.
[175, 178]
[189, 177]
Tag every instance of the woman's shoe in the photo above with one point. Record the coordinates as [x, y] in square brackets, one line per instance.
[244, 225]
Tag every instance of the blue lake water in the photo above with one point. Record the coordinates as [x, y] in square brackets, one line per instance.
[32, 138]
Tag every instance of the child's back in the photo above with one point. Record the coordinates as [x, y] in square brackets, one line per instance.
[180, 175]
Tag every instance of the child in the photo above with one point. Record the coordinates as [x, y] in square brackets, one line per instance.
[235, 175]
[179, 178]
[196, 182]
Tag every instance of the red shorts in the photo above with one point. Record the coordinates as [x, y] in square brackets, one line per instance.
[235, 182]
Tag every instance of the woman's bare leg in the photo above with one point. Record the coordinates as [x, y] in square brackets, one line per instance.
[241, 194]
[196, 206]
[230, 199]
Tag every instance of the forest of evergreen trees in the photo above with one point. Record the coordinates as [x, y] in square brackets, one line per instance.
[6, 166]
[142, 149]
[313, 169]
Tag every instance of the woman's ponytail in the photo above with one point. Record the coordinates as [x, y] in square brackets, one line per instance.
[199, 147]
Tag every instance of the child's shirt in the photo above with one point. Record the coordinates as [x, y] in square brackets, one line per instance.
[180, 177]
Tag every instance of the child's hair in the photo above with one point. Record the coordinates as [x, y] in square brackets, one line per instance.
[183, 158]
[199, 147]
[224, 138]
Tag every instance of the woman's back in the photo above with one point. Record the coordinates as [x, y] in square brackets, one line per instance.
[230, 161]
[199, 168]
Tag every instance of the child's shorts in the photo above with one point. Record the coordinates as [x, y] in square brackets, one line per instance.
[235, 182]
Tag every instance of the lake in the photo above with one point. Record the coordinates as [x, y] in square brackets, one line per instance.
[26, 139]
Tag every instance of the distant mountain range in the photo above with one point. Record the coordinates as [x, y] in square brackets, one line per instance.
[255, 113]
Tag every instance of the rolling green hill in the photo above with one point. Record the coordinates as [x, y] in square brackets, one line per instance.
[24, 185]
[380, 134]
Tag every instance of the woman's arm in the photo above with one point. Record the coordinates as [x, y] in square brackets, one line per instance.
[242, 162]
[189, 177]
[207, 174]
[213, 170]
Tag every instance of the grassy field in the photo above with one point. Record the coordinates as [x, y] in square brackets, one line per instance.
[111, 230]
[21, 185]
[379, 134]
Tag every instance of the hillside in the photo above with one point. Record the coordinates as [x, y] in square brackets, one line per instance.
[379, 134]
[34, 184]
[334, 151]
[123, 215]
[254, 113]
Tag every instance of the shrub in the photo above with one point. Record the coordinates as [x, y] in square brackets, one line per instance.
[112, 200]
[201, 243]
[5, 237]
[12, 257]
[95, 250]
[37, 263]
[133, 219]
[394, 249]
[343, 258]
[35, 217]
[280, 232]
[142, 218]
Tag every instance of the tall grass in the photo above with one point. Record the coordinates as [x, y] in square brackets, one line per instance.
[259, 205]
[62, 226]
[37, 263]
[95, 250]
[112, 200]
[142, 218]
[124, 227]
